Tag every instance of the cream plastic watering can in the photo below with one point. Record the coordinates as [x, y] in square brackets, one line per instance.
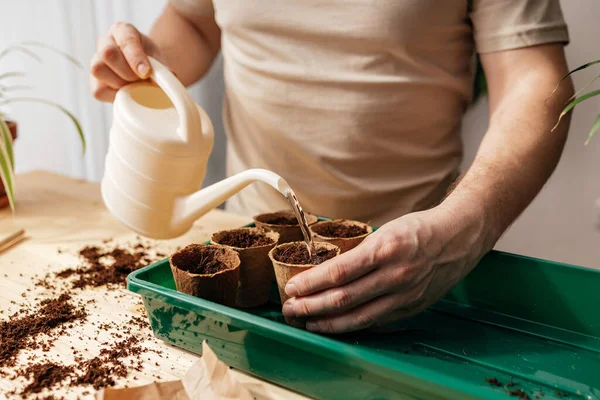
[160, 142]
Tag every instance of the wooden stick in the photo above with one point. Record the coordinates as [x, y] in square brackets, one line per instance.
[12, 240]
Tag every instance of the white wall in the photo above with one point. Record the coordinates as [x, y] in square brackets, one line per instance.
[559, 225]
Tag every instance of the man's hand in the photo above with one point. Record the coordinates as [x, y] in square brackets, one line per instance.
[121, 57]
[411, 262]
[396, 272]
[187, 44]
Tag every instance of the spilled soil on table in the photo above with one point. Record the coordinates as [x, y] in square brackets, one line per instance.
[107, 266]
[58, 311]
[21, 330]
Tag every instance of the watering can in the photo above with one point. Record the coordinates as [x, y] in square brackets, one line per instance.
[160, 142]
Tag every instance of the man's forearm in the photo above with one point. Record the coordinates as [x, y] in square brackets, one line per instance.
[188, 45]
[518, 154]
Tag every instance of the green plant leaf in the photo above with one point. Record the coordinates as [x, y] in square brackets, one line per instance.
[51, 48]
[583, 88]
[594, 129]
[13, 74]
[13, 48]
[4, 89]
[7, 138]
[7, 174]
[69, 114]
[584, 66]
[572, 104]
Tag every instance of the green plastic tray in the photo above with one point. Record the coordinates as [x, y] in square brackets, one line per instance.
[533, 320]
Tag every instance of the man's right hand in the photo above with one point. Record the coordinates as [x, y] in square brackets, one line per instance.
[121, 57]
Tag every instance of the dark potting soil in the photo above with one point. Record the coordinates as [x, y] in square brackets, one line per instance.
[101, 371]
[281, 220]
[106, 266]
[45, 375]
[244, 239]
[520, 393]
[201, 260]
[337, 230]
[20, 330]
[98, 372]
[298, 254]
[494, 381]
[38, 326]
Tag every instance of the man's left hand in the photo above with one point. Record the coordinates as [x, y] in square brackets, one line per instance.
[396, 272]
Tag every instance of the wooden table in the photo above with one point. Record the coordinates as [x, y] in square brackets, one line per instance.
[63, 213]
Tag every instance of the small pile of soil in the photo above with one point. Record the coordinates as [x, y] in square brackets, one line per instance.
[45, 375]
[335, 230]
[38, 326]
[101, 371]
[244, 239]
[98, 372]
[201, 260]
[520, 393]
[494, 381]
[298, 254]
[281, 220]
[106, 267]
[19, 331]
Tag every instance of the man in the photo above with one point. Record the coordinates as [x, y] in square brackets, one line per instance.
[358, 105]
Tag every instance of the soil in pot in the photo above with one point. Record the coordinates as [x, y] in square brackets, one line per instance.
[335, 230]
[285, 223]
[289, 259]
[244, 238]
[256, 271]
[298, 255]
[207, 271]
[281, 220]
[346, 234]
[3, 197]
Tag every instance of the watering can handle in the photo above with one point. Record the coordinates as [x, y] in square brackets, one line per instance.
[190, 128]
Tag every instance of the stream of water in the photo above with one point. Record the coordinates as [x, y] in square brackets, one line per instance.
[299, 213]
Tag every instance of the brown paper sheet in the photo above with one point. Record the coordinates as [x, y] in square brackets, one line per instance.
[207, 379]
[162, 390]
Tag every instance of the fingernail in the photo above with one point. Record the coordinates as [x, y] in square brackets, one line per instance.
[143, 69]
[290, 290]
[312, 326]
[288, 309]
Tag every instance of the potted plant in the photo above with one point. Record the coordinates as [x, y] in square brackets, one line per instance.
[8, 128]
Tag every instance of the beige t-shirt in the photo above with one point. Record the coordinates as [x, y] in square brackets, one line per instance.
[358, 103]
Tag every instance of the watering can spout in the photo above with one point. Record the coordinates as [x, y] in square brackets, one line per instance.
[192, 207]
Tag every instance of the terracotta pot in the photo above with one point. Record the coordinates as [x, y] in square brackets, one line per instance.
[3, 197]
[284, 272]
[287, 233]
[219, 287]
[256, 270]
[344, 244]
